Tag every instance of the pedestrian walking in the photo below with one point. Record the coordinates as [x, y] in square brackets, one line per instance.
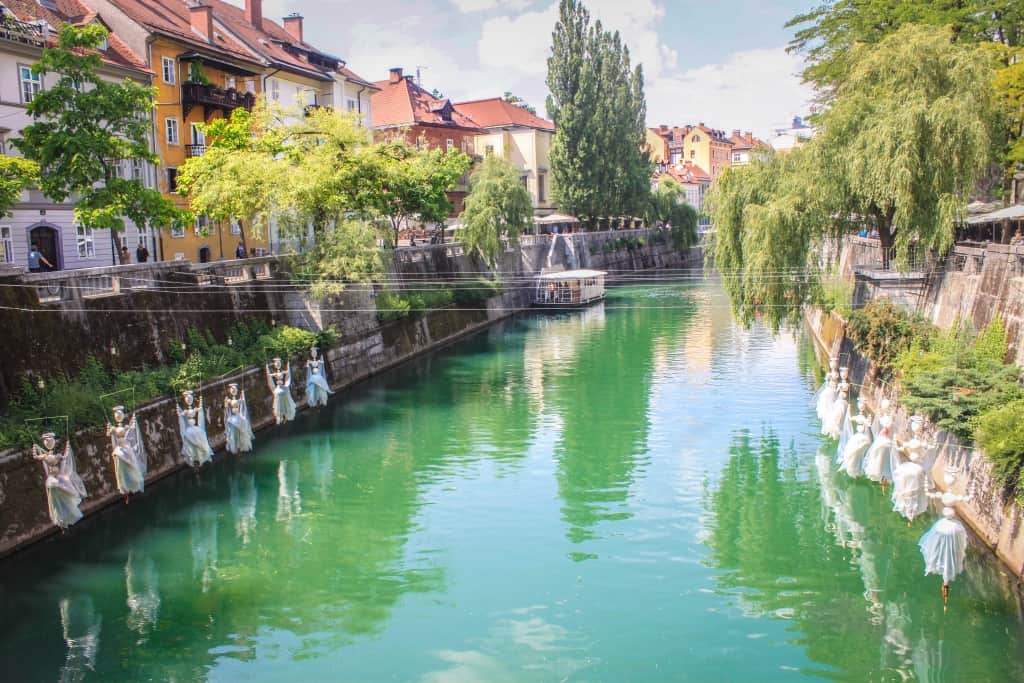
[35, 258]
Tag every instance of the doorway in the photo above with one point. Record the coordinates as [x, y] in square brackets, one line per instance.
[48, 241]
[204, 254]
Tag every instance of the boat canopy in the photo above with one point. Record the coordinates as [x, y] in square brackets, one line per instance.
[573, 275]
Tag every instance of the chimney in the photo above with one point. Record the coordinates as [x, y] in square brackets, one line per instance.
[201, 18]
[254, 13]
[396, 74]
[664, 128]
[737, 134]
[293, 24]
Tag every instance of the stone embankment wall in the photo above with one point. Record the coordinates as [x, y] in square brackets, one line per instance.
[973, 284]
[150, 318]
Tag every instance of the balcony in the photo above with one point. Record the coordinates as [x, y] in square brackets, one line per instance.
[20, 31]
[195, 150]
[212, 98]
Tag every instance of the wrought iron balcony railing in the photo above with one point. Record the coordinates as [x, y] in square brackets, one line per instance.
[212, 97]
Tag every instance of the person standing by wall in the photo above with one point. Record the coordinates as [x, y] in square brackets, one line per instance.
[125, 256]
[240, 251]
[35, 257]
[141, 253]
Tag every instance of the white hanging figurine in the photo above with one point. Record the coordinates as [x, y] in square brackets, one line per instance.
[944, 546]
[237, 426]
[64, 488]
[909, 483]
[195, 446]
[827, 393]
[317, 388]
[853, 454]
[127, 452]
[833, 424]
[878, 461]
[846, 426]
[280, 382]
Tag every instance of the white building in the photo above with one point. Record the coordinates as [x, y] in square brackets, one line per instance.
[25, 29]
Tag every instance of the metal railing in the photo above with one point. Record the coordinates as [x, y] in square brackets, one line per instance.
[195, 150]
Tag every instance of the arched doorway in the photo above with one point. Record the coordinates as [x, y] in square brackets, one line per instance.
[47, 239]
[204, 254]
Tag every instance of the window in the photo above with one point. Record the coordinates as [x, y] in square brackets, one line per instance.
[177, 231]
[31, 84]
[138, 170]
[198, 137]
[104, 44]
[169, 71]
[250, 85]
[449, 145]
[489, 150]
[86, 247]
[737, 157]
[202, 226]
[352, 105]
[236, 226]
[229, 82]
[171, 125]
[695, 138]
[275, 89]
[7, 243]
[540, 188]
[525, 179]
[693, 153]
[172, 180]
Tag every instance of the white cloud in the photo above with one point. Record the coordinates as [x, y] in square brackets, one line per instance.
[751, 90]
[467, 6]
[520, 44]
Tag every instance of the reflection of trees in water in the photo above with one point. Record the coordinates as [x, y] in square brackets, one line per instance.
[851, 579]
[603, 399]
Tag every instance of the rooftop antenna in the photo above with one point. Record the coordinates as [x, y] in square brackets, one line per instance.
[419, 80]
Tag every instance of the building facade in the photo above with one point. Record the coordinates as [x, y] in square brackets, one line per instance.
[708, 149]
[519, 137]
[695, 182]
[26, 28]
[746, 147]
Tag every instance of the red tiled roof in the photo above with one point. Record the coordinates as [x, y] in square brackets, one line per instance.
[687, 174]
[76, 13]
[171, 18]
[496, 112]
[745, 141]
[406, 104]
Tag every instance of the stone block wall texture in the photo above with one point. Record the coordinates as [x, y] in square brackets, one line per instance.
[364, 348]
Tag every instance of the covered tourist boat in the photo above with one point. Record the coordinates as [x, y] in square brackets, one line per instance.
[569, 288]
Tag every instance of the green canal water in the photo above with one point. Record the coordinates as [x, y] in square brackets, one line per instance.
[633, 492]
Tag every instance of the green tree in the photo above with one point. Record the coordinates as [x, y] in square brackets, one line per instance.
[667, 207]
[83, 127]
[16, 175]
[597, 103]
[497, 205]
[519, 102]
[904, 140]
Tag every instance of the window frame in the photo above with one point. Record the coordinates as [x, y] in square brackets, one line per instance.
[236, 226]
[36, 79]
[168, 120]
[85, 239]
[171, 173]
[449, 144]
[541, 190]
[275, 90]
[7, 243]
[172, 72]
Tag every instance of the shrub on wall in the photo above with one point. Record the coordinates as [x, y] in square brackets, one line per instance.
[1000, 433]
[882, 331]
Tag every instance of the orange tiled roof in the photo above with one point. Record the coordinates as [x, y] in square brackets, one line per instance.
[496, 113]
[76, 13]
[746, 141]
[687, 173]
[403, 103]
[171, 18]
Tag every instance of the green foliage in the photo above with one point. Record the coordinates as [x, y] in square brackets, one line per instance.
[497, 205]
[882, 331]
[836, 294]
[667, 207]
[907, 133]
[519, 102]
[598, 106]
[16, 176]
[1000, 434]
[84, 124]
[475, 293]
[201, 359]
[957, 377]
[397, 305]
[344, 253]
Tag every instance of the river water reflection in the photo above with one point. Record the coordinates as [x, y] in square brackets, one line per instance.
[635, 491]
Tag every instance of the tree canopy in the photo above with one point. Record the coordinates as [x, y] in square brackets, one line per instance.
[84, 127]
[497, 205]
[667, 207]
[901, 146]
[519, 102]
[597, 103]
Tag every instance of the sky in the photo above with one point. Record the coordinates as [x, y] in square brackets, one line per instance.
[721, 63]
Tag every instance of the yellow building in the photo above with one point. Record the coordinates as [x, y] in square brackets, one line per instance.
[709, 149]
[522, 138]
[201, 73]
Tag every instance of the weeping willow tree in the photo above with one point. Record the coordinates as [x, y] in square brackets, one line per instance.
[900, 149]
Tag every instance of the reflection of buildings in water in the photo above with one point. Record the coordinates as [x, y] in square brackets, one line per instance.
[321, 456]
[553, 342]
[289, 501]
[203, 523]
[143, 586]
[699, 338]
[81, 627]
[243, 505]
